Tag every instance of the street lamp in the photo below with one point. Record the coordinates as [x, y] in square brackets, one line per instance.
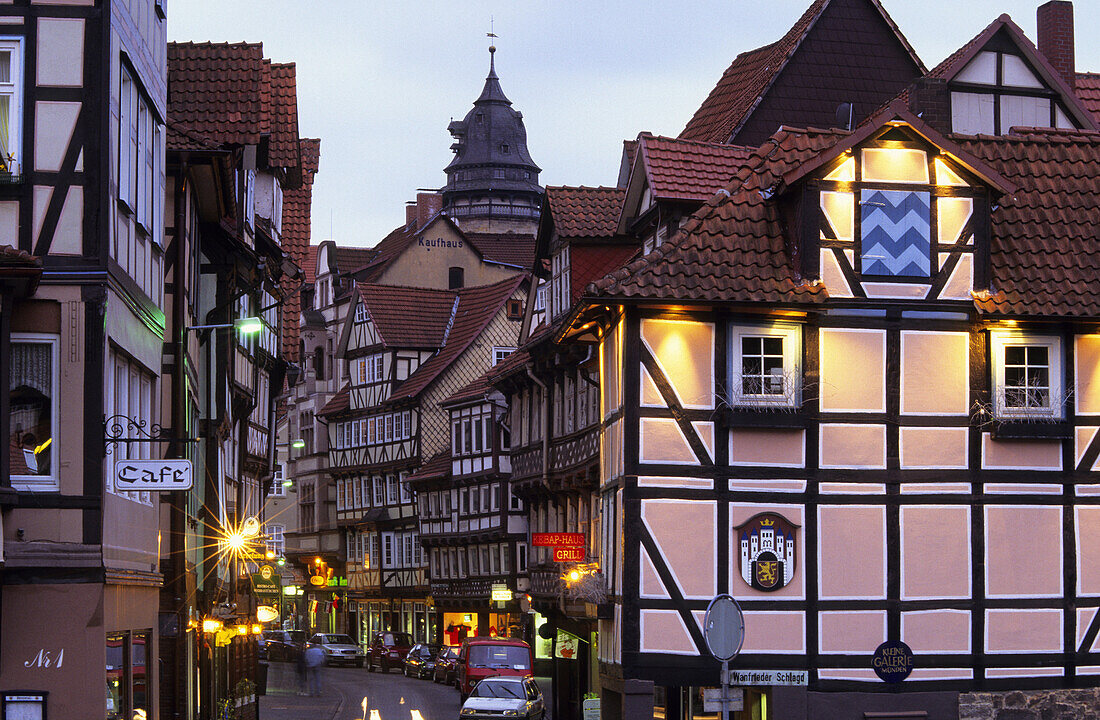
[246, 326]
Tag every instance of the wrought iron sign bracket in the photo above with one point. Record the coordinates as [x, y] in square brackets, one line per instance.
[119, 429]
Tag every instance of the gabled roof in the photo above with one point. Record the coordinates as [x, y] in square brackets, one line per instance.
[953, 64]
[748, 78]
[350, 259]
[215, 94]
[584, 212]
[409, 317]
[476, 307]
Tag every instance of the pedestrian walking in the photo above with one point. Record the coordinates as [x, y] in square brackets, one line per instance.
[315, 660]
[300, 670]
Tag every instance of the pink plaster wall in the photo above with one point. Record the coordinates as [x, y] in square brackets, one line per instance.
[934, 369]
[853, 633]
[853, 370]
[774, 632]
[1087, 358]
[935, 552]
[1014, 454]
[853, 446]
[1023, 631]
[685, 533]
[664, 631]
[852, 551]
[931, 447]
[1023, 546]
[1088, 549]
[783, 448]
[936, 631]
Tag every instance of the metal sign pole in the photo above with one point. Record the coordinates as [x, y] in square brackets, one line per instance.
[725, 689]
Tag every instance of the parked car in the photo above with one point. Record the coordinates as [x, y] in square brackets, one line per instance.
[504, 696]
[482, 657]
[282, 644]
[338, 649]
[445, 660]
[420, 660]
[387, 650]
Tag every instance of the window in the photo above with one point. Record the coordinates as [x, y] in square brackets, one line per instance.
[276, 539]
[896, 233]
[1013, 96]
[515, 310]
[277, 480]
[33, 412]
[360, 313]
[391, 489]
[11, 103]
[131, 393]
[560, 296]
[387, 549]
[455, 278]
[379, 492]
[1027, 381]
[765, 365]
[369, 369]
[127, 680]
[319, 362]
[499, 353]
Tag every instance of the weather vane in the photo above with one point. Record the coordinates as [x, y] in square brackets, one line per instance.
[491, 34]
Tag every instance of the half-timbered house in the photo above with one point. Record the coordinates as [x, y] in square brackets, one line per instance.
[473, 527]
[854, 393]
[388, 419]
[82, 104]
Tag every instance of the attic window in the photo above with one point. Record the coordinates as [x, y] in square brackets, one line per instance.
[895, 213]
[479, 117]
[505, 148]
[515, 310]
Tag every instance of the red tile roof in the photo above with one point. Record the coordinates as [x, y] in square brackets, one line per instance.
[476, 307]
[350, 259]
[297, 222]
[386, 250]
[407, 316]
[1043, 255]
[475, 390]
[437, 468]
[340, 402]
[1088, 90]
[585, 212]
[588, 263]
[215, 92]
[731, 249]
[516, 249]
[284, 149]
[687, 170]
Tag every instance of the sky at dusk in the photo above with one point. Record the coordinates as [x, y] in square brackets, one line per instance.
[378, 82]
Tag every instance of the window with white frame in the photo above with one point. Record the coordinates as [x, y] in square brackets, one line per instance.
[379, 492]
[368, 369]
[33, 411]
[277, 480]
[360, 313]
[764, 365]
[387, 549]
[499, 353]
[276, 539]
[1027, 375]
[406, 493]
[11, 103]
[391, 489]
[132, 394]
[560, 296]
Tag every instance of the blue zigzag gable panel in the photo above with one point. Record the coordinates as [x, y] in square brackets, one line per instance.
[896, 233]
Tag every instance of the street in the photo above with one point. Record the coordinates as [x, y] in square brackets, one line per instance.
[355, 694]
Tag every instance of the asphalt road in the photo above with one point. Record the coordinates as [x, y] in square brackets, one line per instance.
[355, 694]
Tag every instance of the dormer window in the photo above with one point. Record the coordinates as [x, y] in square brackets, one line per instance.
[504, 148]
[997, 91]
[897, 210]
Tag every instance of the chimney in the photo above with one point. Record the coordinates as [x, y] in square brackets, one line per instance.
[410, 213]
[1055, 29]
[427, 205]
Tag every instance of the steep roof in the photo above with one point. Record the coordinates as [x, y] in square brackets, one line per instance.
[585, 212]
[1044, 260]
[338, 403]
[215, 94]
[732, 248]
[739, 91]
[409, 316]
[284, 149]
[516, 249]
[680, 169]
[476, 307]
[1088, 91]
[386, 250]
[350, 259]
[438, 467]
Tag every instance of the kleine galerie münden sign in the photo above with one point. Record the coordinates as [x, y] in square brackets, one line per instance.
[153, 475]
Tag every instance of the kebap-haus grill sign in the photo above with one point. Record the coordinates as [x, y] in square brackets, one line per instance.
[568, 547]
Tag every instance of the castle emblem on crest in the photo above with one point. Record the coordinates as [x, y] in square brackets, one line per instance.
[767, 551]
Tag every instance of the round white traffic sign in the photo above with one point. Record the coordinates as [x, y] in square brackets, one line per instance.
[724, 627]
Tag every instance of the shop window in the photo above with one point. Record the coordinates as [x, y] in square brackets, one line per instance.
[127, 679]
[33, 413]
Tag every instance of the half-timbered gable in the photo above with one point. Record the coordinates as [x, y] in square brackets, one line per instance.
[861, 377]
[1000, 80]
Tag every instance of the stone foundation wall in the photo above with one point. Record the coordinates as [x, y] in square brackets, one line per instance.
[1031, 705]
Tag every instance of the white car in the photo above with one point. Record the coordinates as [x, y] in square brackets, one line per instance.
[504, 696]
[338, 649]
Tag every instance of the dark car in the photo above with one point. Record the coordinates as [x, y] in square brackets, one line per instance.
[282, 644]
[420, 660]
[444, 671]
[387, 650]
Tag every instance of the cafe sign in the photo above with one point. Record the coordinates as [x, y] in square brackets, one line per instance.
[266, 582]
[153, 475]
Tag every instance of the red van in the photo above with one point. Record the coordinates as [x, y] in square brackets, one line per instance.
[481, 657]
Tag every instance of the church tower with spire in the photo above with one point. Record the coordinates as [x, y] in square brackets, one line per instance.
[492, 182]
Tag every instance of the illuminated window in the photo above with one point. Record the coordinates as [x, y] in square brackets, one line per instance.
[764, 363]
[33, 412]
